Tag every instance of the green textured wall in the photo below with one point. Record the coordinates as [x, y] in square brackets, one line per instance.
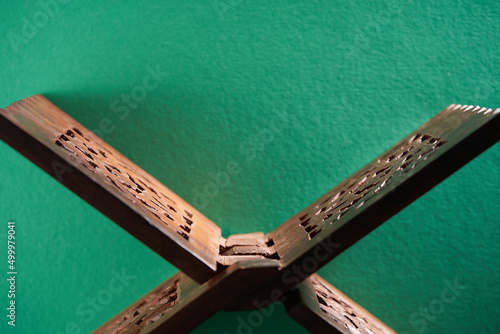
[343, 80]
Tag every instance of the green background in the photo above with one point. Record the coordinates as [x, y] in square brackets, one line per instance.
[344, 80]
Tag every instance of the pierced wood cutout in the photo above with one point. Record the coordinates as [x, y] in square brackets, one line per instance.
[369, 182]
[365, 190]
[331, 311]
[143, 315]
[244, 271]
[194, 303]
[147, 310]
[135, 187]
[345, 313]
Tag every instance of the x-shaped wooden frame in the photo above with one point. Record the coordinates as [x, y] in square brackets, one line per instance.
[247, 271]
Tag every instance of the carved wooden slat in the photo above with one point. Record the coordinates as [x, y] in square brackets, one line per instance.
[113, 184]
[321, 308]
[385, 186]
[150, 308]
[179, 304]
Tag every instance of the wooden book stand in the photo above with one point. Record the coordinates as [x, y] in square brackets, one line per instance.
[246, 271]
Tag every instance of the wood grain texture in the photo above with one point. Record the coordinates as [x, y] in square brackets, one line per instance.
[103, 177]
[321, 308]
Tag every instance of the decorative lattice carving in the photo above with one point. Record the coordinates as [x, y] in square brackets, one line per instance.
[339, 309]
[137, 188]
[398, 161]
[147, 311]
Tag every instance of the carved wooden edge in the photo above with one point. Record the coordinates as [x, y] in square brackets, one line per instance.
[151, 307]
[321, 308]
[114, 185]
[382, 188]
[179, 304]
